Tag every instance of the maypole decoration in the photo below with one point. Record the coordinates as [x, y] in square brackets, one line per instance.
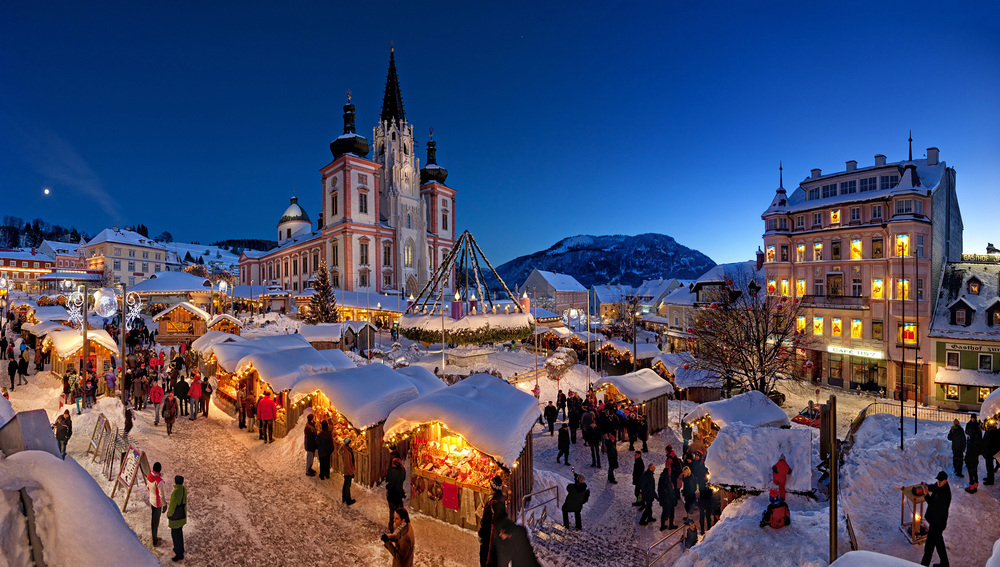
[465, 319]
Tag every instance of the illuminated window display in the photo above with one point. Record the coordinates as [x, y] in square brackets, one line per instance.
[856, 329]
[800, 287]
[877, 289]
[837, 327]
[856, 249]
[817, 325]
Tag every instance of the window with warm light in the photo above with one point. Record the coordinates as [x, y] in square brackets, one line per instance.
[907, 333]
[837, 327]
[818, 251]
[974, 287]
[877, 289]
[800, 287]
[877, 328]
[784, 288]
[951, 391]
[800, 324]
[984, 393]
[800, 253]
[902, 245]
[772, 287]
[877, 248]
[835, 216]
[408, 255]
[856, 249]
[770, 253]
[817, 325]
[856, 329]
[902, 288]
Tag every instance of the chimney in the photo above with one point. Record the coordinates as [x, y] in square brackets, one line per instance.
[932, 156]
[319, 221]
[816, 172]
[852, 165]
[32, 251]
[760, 253]
[879, 160]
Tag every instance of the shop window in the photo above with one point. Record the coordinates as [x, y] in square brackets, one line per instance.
[877, 331]
[952, 360]
[800, 288]
[984, 393]
[835, 216]
[902, 245]
[836, 367]
[856, 249]
[877, 289]
[856, 328]
[835, 250]
[817, 325]
[817, 251]
[906, 333]
[951, 391]
[770, 253]
[835, 284]
[837, 327]
[986, 362]
[877, 248]
[800, 253]
[784, 252]
[800, 324]
[772, 287]
[902, 288]
[784, 288]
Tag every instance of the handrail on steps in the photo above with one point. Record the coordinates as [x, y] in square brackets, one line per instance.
[524, 499]
[669, 535]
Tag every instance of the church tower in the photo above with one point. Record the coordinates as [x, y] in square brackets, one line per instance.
[400, 201]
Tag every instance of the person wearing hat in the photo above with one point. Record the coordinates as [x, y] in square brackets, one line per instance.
[177, 514]
[563, 444]
[957, 438]
[494, 512]
[611, 450]
[157, 499]
[779, 474]
[347, 459]
[777, 513]
[514, 546]
[647, 487]
[394, 491]
[690, 533]
[938, 498]
[266, 412]
[577, 494]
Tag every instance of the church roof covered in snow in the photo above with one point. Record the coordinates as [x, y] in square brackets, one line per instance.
[639, 386]
[750, 408]
[364, 395]
[294, 212]
[493, 416]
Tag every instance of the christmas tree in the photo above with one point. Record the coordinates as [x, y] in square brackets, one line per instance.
[323, 304]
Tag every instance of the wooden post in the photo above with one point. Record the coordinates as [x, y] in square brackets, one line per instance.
[834, 457]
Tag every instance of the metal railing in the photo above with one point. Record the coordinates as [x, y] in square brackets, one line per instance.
[925, 413]
[670, 534]
[527, 497]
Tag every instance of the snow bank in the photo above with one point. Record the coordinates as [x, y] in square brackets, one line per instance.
[742, 455]
[493, 416]
[212, 338]
[422, 379]
[994, 560]
[77, 523]
[871, 559]
[364, 395]
[282, 369]
[639, 387]
[338, 359]
[751, 408]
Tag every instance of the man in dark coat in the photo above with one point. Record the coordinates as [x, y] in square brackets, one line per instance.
[514, 547]
[973, 447]
[643, 433]
[575, 413]
[494, 513]
[612, 451]
[957, 438]
[638, 469]
[561, 403]
[324, 449]
[647, 487]
[938, 497]
[666, 490]
[563, 444]
[632, 428]
[577, 494]
[991, 444]
[181, 392]
[309, 444]
[64, 430]
[394, 491]
[551, 413]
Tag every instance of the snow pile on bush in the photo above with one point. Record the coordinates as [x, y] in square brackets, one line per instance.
[870, 559]
[559, 362]
[742, 456]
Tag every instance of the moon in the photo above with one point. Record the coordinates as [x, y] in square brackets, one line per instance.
[46, 191]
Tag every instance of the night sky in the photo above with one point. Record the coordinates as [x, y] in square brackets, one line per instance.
[554, 119]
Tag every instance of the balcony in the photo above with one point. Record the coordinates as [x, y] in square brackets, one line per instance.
[835, 301]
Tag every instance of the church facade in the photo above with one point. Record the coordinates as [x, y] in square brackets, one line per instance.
[385, 223]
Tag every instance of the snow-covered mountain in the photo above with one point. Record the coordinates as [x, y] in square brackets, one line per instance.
[611, 259]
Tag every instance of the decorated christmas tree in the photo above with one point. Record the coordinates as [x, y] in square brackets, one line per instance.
[323, 304]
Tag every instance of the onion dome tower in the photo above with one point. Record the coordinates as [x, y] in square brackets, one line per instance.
[431, 170]
[350, 142]
[293, 222]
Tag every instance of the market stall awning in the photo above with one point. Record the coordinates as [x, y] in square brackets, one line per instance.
[323, 332]
[69, 341]
[338, 359]
[671, 361]
[364, 396]
[639, 387]
[967, 377]
[212, 338]
[51, 313]
[281, 369]
[197, 311]
[750, 408]
[422, 379]
[696, 378]
[742, 456]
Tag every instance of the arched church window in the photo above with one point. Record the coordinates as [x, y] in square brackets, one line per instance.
[393, 136]
[405, 150]
[408, 220]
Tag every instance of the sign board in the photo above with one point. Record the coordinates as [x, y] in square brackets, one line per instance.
[855, 352]
[134, 462]
[101, 429]
[972, 348]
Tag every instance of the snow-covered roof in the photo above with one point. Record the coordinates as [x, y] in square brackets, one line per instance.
[282, 369]
[750, 408]
[18, 303]
[224, 317]
[561, 332]
[69, 341]
[967, 377]
[73, 276]
[639, 386]
[44, 328]
[742, 455]
[642, 350]
[561, 282]
[197, 311]
[52, 313]
[613, 293]
[211, 338]
[173, 282]
[671, 361]
[25, 254]
[364, 395]
[422, 379]
[323, 332]
[862, 558]
[357, 326]
[680, 296]
[692, 377]
[493, 416]
[338, 359]
[77, 522]
[62, 248]
[122, 236]
[229, 354]
[733, 271]
[955, 288]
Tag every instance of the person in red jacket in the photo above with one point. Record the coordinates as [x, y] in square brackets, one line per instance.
[266, 412]
[779, 473]
[777, 513]
[194, 395]
[156, 398]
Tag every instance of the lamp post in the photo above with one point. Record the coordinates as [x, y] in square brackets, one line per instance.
[916, 394]
[4, 288]
[223, 286]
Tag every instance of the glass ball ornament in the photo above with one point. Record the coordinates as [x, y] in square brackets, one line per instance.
[106, 304]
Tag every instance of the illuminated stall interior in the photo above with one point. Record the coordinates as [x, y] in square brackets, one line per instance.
[66, 347]
[181, 322]
[644, 390]
[225, 324]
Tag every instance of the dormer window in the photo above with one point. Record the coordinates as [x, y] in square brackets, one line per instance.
[974, 285]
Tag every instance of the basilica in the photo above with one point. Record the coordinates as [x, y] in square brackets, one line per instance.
[385, 223]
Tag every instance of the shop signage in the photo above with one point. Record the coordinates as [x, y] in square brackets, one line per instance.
[855, 352]
[972, 348]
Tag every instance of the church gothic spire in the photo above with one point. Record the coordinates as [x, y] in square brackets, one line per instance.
[392, 101]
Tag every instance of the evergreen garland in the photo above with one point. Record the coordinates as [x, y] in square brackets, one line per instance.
[485, 334]
[323, 303]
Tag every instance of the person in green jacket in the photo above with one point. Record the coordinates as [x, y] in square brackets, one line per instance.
[177, 514]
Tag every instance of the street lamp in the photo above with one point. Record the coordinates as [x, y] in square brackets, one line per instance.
[222, 290]
[916, 391]
[4, 288]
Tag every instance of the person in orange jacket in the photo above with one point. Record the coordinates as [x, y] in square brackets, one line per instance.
[779, 473]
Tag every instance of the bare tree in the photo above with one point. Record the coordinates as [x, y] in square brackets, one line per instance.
[748, 334]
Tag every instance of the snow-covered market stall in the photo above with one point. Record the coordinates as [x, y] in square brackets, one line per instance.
[67, 346]
[39, 330]
[742, 455]
[692, 383]
[751, 408]
[51, 313]
[359, 335]
[323, 336]
[209, 339]
[356, 402]
[460, 438]
[643, 389]
[225, 355]
[338, 359]
[225, 324]
[180, 323]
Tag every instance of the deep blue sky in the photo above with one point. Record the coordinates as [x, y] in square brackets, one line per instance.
[554, 119]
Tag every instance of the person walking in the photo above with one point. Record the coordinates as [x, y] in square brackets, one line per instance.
[395, 477]
[666, 490]
[347, 462]
[561, 403]
[309, 444]
[241, 407]
[156, 399]
[324, 449]
[266, 412]
[647, 489]
[64, 430]
[973, 446]
[400, 542]
[513, 546]
[22, 368]
[170, 412]
[991, 444]
[577, 494]
[157, 499]
[638, 469]
[563, 444]
[11, 371]
[643, 433]
[938, 497]
[177, 514]
[957, 438]
[612, 453]
[494, 512]
[206, 396]
[551, 413]
[689, 487]
[181, 389]
[575, 413]
[194, 397]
